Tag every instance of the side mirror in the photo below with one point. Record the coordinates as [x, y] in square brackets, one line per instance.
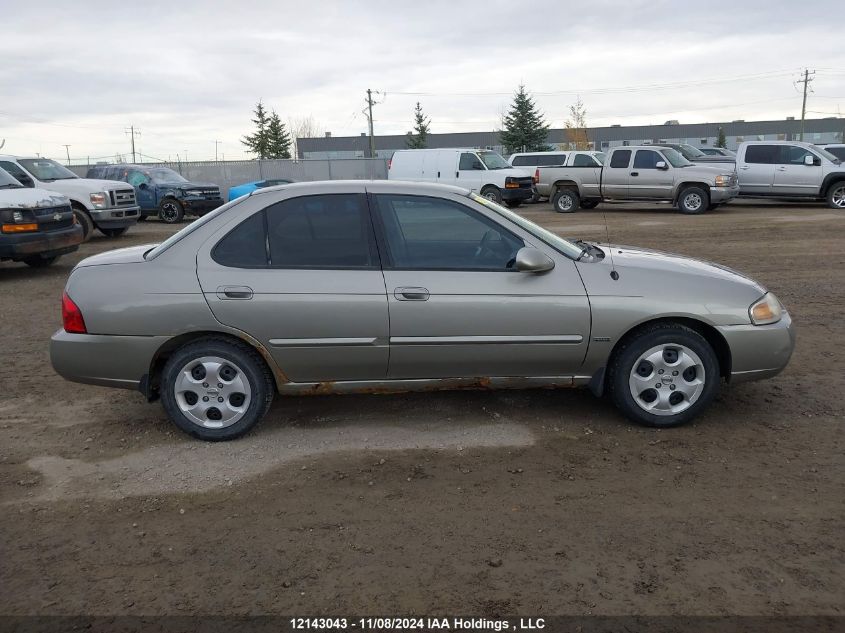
[661, 164]
[809, 160]
[144, 186]
[530, 260]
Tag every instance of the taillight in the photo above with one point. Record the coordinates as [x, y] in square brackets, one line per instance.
[536, 176]
[72, 320]
[389, 163]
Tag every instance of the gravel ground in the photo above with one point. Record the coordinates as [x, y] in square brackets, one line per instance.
[483, 503]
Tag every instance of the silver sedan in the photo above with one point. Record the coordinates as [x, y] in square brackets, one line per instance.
[388, 286]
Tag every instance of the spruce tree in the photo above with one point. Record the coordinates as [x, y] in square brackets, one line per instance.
[721, 141]
[278, 138]
[258, 142]
[422, 126]
[524, 126]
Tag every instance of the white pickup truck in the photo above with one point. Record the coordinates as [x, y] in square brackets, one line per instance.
[639, 173]
[790, 169]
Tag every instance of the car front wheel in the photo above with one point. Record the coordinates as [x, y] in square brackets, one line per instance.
[693, 200]
[171, 212]
[836, 195]
[216, 389]
[664, 376]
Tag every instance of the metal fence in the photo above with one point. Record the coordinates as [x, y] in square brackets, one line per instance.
[230, 173]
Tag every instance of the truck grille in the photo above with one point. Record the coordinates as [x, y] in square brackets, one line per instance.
[54, 218]
[123, 198]
[206, 193]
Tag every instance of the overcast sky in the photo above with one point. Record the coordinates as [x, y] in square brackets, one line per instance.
[188, 73]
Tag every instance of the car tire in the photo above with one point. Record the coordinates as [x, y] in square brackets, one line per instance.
[84, 220]
[693, 200]
[513, 204]
[590, 204]
[836, 195]
[114, 232]
[142, 218]
[566, 201]
[673, 356]
[492, 193]
[171, 211]
[40, 262]
[240, 379]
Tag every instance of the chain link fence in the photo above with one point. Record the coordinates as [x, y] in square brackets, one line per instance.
[230, 173]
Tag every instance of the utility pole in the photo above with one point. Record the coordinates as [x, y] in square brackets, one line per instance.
[370, 120]
[216, 143]
[67, 149]
[133, 133]
[808, 78]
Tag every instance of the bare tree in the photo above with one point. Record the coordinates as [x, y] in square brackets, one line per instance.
[303, 127]
[576, 126]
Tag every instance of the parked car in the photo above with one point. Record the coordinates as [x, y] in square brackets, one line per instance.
[717, 151]
[790, 169]
[326, 287]
[241, 190]
[697, 156]
[532, 160]
[837, 149]
[163, 192]
[99, 204]
[645, 172]
[577, 160]
[36, 226]
[481, 171]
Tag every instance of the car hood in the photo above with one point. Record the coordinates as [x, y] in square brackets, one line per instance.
[85, 185]
[189, 185]
[25, 198]
[129, 255]
[672, 284]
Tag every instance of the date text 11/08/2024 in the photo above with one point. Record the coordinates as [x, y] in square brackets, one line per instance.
[415, 624]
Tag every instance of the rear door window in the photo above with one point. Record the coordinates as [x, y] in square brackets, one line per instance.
[762, 154]
[620, 158]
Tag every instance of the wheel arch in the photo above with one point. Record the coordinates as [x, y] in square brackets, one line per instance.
[686, 185]
[831, 180]
[720, 346]
[565, 184]
[151, 381]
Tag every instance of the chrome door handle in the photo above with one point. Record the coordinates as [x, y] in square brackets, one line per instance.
[781, 168]
[745, 167]
[411, 294]
[234, 292]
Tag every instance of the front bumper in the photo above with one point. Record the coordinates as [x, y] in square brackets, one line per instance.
[523, 193]
[200, 206]
[115, 218]
[106, 360]
[759, 351]
[723, 194]
[40, 243]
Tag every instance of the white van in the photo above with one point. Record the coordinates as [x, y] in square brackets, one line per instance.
[478, 170]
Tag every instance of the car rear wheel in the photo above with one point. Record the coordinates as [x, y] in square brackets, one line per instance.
[216, 389]
[40, 262]
[836, 195]
[114, 232]
[566, 201]
[664, 376]
[171, 211]
[693, 200]
[84, 220]
[492, 193]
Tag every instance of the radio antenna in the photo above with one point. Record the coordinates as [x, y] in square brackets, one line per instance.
[613, 274]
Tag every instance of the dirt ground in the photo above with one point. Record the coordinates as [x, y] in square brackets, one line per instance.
[479, 503]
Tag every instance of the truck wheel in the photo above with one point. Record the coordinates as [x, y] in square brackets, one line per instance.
[492, 193]
[171, 211]
[566, 201]
[216, 389]
[513, 204]
[40, 262]
[589, 204]
[693, 200]
[836, 195]
[114, 232]
[663, 376]
[84, 220]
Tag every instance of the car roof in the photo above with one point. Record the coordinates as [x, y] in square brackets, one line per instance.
[361, 186]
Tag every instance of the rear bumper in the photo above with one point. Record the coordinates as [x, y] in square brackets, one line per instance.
[115, 218]
[99, 359]
[517, 194]
[723, 194]
[759, 351]
[41, 243]
[201, 207]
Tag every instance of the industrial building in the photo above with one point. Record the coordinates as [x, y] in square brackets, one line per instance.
[828, 130]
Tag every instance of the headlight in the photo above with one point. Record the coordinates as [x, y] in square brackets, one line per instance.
[99, 200]
[723, 180]
[766, 310]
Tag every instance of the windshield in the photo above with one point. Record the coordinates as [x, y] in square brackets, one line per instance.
[164, 175]
[689, 152]
[7, 181]
[674, 157]
[193, 226]
[46, 170]
[555, 241]
[831, 157]
[492, 160]
[600, 156]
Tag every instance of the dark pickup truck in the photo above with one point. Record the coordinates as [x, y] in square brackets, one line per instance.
[162, 192]
[36, 226]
